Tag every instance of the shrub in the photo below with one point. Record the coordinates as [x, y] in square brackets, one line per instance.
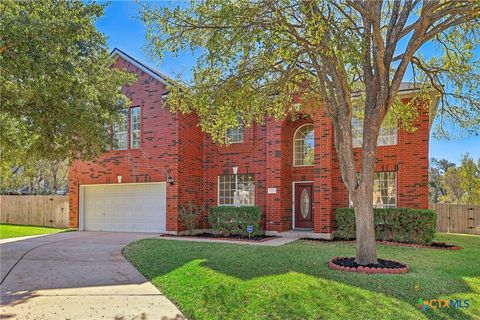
[190, 215]
[393, 224]
[234, 220]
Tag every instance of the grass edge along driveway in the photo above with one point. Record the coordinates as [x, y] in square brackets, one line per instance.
[8, 231]
[227, 281]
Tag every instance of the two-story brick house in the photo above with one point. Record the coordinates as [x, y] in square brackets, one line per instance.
[289, 168]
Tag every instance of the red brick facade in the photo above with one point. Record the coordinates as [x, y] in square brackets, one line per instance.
[174, 143]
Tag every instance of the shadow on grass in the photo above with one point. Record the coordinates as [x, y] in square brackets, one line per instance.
[293, 281]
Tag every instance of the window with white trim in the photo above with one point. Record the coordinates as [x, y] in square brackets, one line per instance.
[386, 137]
[303, 146]
[135, 127]
[120, 131]
[236, 190]
[385, 190]
[234, 135]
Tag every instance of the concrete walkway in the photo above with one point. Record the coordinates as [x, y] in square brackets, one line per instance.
[77, 275]
[275, 242]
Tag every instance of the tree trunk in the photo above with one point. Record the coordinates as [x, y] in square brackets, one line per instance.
[363, 195]
[361, 190]
[366, 252]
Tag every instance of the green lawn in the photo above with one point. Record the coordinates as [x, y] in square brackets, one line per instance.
[225, 281]
[14, 230]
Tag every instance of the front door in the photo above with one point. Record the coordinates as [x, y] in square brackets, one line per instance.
[304, 205]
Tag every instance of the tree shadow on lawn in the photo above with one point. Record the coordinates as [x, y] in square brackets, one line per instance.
[293, 281]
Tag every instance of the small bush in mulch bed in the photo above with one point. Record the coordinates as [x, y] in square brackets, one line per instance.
[433, 245]
[383, 266]
[237, 237]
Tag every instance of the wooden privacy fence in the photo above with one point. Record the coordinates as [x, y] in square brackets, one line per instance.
[457, 218]
[39, 210]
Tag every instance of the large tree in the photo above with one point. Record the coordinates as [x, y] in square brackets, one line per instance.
[58, 93]
[252, 56]
[461, 184]
[436, 175]
[39, 176]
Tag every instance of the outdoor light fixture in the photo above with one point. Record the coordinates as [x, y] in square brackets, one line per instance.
[169, 177]
[235, 170]
[119, 179]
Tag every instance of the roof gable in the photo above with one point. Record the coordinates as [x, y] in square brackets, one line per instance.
[152, 72]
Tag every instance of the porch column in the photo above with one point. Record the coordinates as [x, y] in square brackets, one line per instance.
[323, 172]
[273, 203]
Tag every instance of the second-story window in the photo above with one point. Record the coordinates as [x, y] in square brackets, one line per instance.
[135, 127]
[235, 134]
[126, 131]
[386, 137]
[120, 131]
[304, 146]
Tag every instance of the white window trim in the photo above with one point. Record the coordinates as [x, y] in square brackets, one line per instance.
[236, 183]
[227, 139]
[294, 139]
[378, 138]
[139, 129]
[127, 118]
[396, 191]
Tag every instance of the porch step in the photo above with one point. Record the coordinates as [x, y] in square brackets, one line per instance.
[305, 234]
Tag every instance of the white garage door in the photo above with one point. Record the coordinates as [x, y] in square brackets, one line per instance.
[135, 207]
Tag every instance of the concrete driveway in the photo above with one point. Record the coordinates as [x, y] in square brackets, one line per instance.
[77, 275]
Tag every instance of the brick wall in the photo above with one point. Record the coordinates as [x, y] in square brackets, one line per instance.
[189, 178]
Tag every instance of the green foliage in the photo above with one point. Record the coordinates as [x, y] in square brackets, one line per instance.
[190, 216]
[437, 170]
[469, 173]
[59, 94]
[234, 220]
[394, 224]
[452, 184]
[452, 180]
[42, 176]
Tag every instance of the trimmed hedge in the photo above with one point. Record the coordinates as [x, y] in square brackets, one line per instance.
[234, 220]
[392, 224]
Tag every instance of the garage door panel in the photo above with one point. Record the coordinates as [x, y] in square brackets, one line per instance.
[132, 207]
[129, 211]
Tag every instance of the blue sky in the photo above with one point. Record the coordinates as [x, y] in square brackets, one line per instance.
[126, 32]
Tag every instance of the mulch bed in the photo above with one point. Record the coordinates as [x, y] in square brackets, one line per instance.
[206, 235]
[382, 267]
[434, 245]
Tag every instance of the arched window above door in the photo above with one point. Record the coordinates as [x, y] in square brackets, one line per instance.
[303, 146]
